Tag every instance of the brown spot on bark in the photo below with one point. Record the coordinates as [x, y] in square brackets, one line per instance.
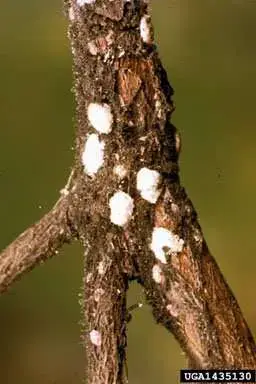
[162, 219]
[128, 85]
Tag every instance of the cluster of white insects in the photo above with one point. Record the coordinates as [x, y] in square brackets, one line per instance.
[121, 204]
[148, 181]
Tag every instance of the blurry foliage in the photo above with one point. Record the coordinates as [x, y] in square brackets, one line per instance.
[208, 49]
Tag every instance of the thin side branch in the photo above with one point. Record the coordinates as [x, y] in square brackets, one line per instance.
[36, 244]
[187, 291]
[105, 286]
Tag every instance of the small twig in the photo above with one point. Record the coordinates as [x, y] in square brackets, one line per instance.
[36, 244]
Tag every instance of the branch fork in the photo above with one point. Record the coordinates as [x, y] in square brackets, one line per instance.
[125, 203]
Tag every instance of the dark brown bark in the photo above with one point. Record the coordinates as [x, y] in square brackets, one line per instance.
[117, 68]
[35, 245]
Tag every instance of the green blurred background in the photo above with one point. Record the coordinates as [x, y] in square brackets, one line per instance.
[208, 49]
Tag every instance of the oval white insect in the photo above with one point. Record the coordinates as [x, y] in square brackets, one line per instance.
[148, 184]
[121, 208]
[100, 117]
[161, 238]
[93, 154]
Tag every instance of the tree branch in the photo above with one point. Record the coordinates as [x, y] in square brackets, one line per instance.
[36, 244]
[105, 286]
[188, 293]
[133, 194]
[125, 203]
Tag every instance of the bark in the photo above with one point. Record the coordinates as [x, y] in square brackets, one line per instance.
[35, 245]
[124, 102]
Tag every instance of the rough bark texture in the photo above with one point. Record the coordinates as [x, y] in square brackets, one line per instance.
[116, 67]
[35, 245]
